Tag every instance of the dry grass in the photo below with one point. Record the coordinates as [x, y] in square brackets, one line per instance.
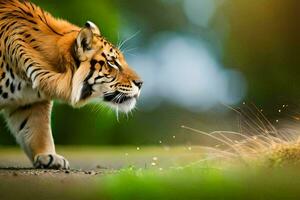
[259, 142]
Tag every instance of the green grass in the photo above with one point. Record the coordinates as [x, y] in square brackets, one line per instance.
[199, 182]
[202, 180]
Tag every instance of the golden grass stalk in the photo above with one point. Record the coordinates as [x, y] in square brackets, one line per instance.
[259, 143]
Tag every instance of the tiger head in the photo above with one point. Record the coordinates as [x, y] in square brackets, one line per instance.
[102, 73]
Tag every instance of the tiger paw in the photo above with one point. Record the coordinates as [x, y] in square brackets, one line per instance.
[50, 161]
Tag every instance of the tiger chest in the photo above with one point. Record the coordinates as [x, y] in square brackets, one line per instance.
[15, 91]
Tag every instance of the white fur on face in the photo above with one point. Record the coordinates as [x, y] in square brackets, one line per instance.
[125, 107]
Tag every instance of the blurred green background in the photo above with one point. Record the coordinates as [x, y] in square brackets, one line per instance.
[196, 57]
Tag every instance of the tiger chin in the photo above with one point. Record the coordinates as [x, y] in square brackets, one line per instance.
[44, 59]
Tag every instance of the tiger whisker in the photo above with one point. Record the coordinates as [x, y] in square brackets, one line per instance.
[128, 39]
[117, 113]
[127, 50]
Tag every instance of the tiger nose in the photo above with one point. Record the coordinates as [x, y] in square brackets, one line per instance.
[138, 83]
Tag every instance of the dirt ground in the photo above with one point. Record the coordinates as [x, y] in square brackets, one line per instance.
[88, 167]
[85, 159]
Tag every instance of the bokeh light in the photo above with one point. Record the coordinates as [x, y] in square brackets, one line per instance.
[199, 12]
[180, 69]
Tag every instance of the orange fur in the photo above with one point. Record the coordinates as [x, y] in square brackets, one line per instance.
[43, 58]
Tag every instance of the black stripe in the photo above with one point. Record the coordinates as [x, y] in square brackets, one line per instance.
[101, 62]
[46, 22]
[86, 91]
[27, 35]
[29, 14]
[41, 18]
[39, 74]
[13, 52]
[26, 60]
[13, 23]
[19, 26]
[113, 79]
[31, 4]
[12, 88]
[3, 76]
[31, 65]
[99, 77]
[93, 63]
[50, 161]
[37, 164]
[35, 70]
[5, 95]
[5, 40]
[25, 12]
[21, 33]
[90, 74]
[12, 73]
[7, 67]
[4, 18]
[19, 17]
[46, 77]
[7, 83]
[65, 164]
[19, 86]
[23, 124]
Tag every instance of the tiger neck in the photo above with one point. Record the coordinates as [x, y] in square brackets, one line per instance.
[57, 50]
[52, 38]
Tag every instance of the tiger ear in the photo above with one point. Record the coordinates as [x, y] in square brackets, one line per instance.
[84, 43]
[84, 39]
[93, 27]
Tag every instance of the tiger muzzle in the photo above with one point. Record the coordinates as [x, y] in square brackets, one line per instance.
[117, 97]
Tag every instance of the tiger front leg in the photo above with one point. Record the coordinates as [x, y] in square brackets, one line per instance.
[31, 127]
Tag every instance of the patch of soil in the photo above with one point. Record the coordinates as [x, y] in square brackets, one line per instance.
[12, 171]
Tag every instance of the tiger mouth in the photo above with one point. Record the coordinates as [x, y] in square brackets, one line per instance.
[117, 97]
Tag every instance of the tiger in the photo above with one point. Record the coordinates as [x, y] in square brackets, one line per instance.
[43, 59]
